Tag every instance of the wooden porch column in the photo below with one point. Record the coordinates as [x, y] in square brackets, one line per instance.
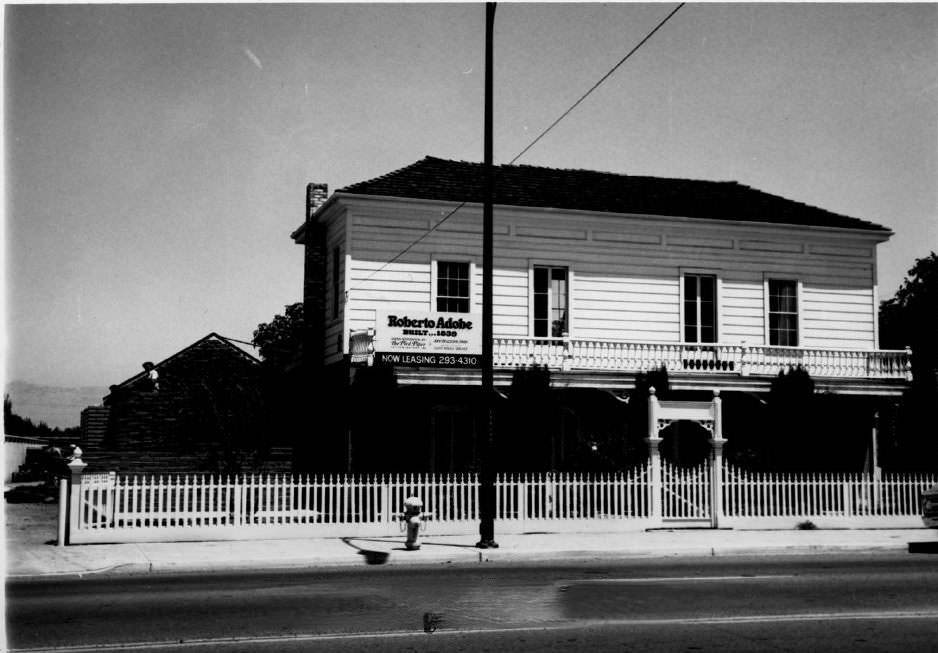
[654, 456]
[716, 462]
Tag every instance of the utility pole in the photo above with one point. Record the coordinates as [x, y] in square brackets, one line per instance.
[487, 471]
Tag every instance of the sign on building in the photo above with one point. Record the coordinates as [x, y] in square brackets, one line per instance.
[413, 339]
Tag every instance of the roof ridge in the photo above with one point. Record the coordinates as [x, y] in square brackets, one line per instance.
[198, 342]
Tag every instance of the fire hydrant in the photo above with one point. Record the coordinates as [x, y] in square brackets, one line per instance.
[412, 517]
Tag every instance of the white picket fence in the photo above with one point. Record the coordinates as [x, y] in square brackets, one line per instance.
[115, 508]
[686, 492]
[848, 499]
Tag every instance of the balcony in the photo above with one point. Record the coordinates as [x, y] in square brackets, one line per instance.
[570, 354]
[728, 360]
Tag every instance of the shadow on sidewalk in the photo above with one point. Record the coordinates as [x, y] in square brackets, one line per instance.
[422, 543]
[371, 557]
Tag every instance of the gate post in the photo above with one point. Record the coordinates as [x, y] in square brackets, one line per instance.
[654, 456]
[716, 467]
[62, 532]
[77, 467]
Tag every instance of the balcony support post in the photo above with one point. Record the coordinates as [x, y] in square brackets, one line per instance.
[654, 458]
[716, 462]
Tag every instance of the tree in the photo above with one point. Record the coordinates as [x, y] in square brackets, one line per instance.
[14, 424]
[527, 437]
[910, 318]
[792, 425]
[280, 341]
[638, 408]
[286, 381]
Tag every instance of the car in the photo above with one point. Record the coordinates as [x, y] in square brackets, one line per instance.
[930, 507]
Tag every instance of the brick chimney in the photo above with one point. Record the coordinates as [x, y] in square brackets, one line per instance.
[316, 195]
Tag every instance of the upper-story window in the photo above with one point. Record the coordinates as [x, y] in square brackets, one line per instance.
[551, 301]
[452, 287]
[700, 308]
[783, 312]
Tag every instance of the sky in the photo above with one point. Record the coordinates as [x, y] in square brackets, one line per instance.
[156, 156]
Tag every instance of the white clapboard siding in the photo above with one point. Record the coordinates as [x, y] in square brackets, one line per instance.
[335, 326]
[626, 272]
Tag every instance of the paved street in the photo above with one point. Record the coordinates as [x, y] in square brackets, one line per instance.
[881, 601]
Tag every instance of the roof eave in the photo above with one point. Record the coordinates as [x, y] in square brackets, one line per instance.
[299, 234]
[884, 233]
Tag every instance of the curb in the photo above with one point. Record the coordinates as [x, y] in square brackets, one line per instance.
[493, 557]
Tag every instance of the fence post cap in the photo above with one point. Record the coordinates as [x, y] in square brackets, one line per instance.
[77, 464]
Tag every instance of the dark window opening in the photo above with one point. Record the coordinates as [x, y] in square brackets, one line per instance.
[452, 287]
[700, 314]
[551, 302]
[783, 313]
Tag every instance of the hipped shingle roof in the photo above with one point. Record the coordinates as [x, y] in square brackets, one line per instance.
[432, 178]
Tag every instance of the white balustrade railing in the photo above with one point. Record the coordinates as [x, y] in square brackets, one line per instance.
[743, 360]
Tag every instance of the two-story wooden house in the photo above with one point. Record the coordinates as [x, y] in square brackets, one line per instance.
[597, 276]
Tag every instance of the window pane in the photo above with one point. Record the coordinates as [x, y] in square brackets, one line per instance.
[690, 287]
[540, 306]
[559, 294]
[559, 326]
[558, 274]
[783, 296]
[540, 279]
[690, 333]
[540, 328]
[788, 302]
[707, 288]
[690, 315]
[707, 314]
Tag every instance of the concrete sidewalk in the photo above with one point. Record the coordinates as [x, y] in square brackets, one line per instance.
[31, 550]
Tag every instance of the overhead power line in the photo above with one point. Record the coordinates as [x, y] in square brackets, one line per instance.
[573, 106]
[597, 84]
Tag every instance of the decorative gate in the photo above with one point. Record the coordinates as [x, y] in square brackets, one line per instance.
[685, 492]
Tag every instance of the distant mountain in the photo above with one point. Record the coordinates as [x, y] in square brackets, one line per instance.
[54, 405]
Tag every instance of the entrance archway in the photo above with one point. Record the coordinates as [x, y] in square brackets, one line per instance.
[686, 493]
